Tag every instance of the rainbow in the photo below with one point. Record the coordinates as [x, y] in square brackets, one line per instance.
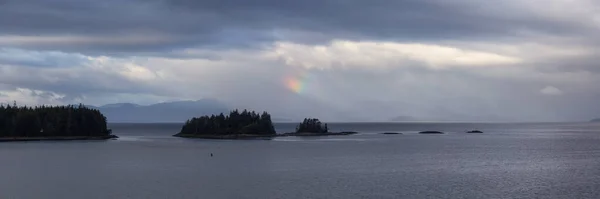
[294, 84]
[298, 83]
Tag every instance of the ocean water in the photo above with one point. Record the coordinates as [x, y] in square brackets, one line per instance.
[543, 160]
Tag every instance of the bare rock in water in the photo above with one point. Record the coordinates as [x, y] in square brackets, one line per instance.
[431, 132]
[475, 131]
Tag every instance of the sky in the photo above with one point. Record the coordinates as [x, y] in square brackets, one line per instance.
[350, 60]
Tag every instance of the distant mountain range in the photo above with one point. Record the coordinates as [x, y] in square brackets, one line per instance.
[180, 111]
[595, 120]
[176, 112]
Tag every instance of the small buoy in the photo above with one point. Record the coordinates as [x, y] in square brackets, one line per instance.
[211, 155]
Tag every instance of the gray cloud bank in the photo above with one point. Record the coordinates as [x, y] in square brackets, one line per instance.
[160, 25]
[435, 59]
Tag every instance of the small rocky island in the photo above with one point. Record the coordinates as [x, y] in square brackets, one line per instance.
[314, 127]
[595, 120]
[247, 125]
[475, 131]
[431, 132]
[22, 123]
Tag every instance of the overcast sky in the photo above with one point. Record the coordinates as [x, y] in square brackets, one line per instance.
[506, 60]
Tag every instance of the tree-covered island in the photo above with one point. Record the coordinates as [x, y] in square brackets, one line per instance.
[236, 125]
[247, 125]
[22, 123]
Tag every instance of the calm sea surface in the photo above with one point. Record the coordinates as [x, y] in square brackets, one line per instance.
[507, 161]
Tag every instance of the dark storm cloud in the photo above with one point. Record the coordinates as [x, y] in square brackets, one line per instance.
[164, 25]
[408, 19]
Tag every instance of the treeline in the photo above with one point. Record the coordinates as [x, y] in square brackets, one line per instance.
[51, 121]
[236, 123]
[312, 125]
[243, 123]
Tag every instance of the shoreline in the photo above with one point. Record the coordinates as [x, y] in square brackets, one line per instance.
[260, 137]
[60, 138]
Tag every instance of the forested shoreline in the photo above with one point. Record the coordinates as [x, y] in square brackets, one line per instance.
[52, 123]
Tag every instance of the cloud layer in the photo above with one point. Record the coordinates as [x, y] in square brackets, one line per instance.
[339, 60]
